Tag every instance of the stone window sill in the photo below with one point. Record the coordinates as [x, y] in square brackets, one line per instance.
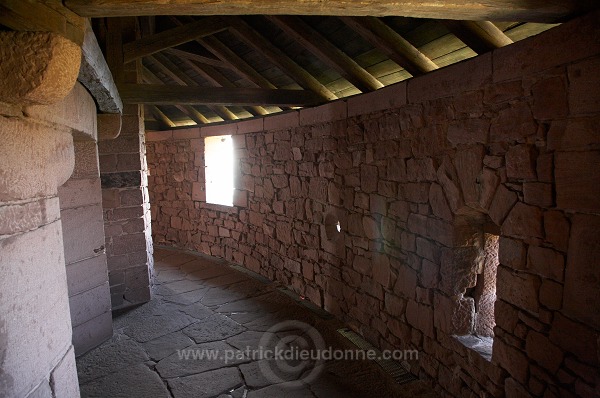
[481, 345]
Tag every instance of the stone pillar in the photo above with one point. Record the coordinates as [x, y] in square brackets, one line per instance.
[36, 156]
[83, 235]
[126, 206]
[124, 174]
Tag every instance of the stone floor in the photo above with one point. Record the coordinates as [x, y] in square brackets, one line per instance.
[203, 306]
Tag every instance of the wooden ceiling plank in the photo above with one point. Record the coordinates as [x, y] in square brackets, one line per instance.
[176, 95]
[170, 38]
[180, 77]
[189, 110]
[494, 10]
[161, 117]
[217, 79]
[278, 57]
[198, 58]
[323, 49]
[481, 36]
[237, 63]
[392, 44]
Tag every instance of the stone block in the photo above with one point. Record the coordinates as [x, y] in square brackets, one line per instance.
[186, 134]
[503, 202]
[520, 163]
[541, 350]
[34, 288]
[218, 129]
[64, 377]
[86, 274]
[468, 131]
[394, 305]
[28, 216]
[468, 163]
[89, 304]
[406, 282]
[582, 273]
[546, 263]
[513, 389]
[513, 124]
[575, 133]
[520, 289]
[511, 253]
[438, 203]
[329, 112]
[454, 79]
[577, 181]
[550, 98]
[523, 221]
[77, 193]
[390, 97]
[250, 126]
[511, 359]
[538, 194]
[83, 232]
[86, 160]
[551, 294]
[557, 229]
[381, 269]
[583, 79]
[548, 49]
[368, 178]
[93, 332]
[123, 179]
[575, 338]
[282, 121]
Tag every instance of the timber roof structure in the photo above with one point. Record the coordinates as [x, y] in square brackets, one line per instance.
[197, 67]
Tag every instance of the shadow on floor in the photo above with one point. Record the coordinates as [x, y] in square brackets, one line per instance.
[212, 331]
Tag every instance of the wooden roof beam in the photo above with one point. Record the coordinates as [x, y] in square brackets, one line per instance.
[317, 44]
[170, 69]
[189, 110]
[161, 117]
[480, 36]
[279, 58]
[475, 10]
[217, 79]
[170, 38]
[172, 95]
[198, 58]
[236, 62]
[387, 40]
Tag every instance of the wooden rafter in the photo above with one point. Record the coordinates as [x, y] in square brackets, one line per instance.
[494, 10]
[171, 95]
[173, 71]
[170, 38]
[198, 58]
[217, 79]
[278, 57]
[161, 117]
[481, 36]
[327, 52]
[189, 110]
[236, 62]
[392, 44]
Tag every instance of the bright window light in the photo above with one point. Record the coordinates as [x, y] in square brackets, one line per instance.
[218, 158]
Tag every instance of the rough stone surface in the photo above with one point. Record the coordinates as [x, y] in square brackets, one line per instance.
[475, 147]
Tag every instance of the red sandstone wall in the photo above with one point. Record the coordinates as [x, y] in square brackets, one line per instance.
[413, 172]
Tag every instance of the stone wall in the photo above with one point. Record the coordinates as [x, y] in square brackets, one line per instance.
[36, 156]
[417, 174]
[83, 235]
[123, 172]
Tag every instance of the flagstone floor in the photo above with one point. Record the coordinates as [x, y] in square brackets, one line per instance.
[203, 306]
